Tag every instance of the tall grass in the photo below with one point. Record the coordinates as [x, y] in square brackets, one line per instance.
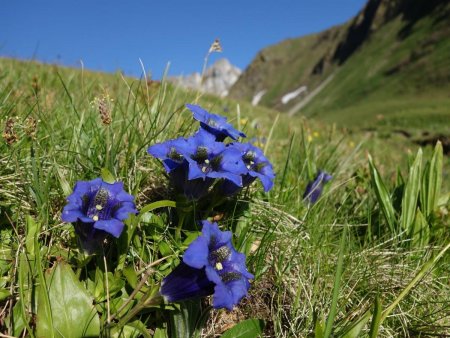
[367, 259]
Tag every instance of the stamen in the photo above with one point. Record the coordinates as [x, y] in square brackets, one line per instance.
[207, 161]
[219, 266]
[95, 218]
[221, 254]
[101, 198]
[204, 169]
[231, 276]
[98, 207]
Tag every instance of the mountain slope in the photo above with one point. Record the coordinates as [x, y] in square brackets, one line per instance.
[392, 60]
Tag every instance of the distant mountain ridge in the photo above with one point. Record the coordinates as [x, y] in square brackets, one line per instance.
[392, 47]
[218, 78]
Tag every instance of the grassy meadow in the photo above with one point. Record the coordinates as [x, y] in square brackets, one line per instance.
[368, 259]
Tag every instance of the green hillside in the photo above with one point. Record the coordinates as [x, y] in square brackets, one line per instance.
[390, 66]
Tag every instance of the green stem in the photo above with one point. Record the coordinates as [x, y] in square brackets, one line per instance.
[181, 218]
[143, 303]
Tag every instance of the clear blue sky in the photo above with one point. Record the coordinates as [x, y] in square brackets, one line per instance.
[114, 34]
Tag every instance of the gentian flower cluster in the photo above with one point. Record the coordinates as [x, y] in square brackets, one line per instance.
[210, 266]
[96, 209]
[194, 164]
[314, 188]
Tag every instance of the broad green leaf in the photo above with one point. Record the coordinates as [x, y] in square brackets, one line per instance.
[131, 276]
[432, 181]
[72, 311]
[4, 293]
[115, 284]
[420, 232]
[409, 201]
[165, 249]
[131, 330]
[160, 333]
[383, 197]
[250, 328]
[188, 321]
[107, 176]
[16, 317]
[32, 230]
[354, 331]
[319, 329]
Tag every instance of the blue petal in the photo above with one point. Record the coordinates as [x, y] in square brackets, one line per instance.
[185, 282]
[159, 150]
[125, 209]
[223, 298]
[266, 181]
[196, 254]
[211, 230]
[71, 215]
[111, 226]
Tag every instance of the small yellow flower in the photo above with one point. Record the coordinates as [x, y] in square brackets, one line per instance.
[310, 138]
[316, 134]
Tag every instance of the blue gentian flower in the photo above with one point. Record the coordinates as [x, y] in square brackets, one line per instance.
[170, 152]
[214, 124]
[210, 159]
[211, 265]
[314, 188]
[97, 208]
[258, 166]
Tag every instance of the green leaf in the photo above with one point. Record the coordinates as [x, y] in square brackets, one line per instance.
[107, 176]
[432, 181]
[32, 230]
[115, 284]
[249, 328]
[319, 329]
[383, 197]
[409, 201]
[72, 311]
[420, 232]
[376, 318]
[336, 286]
[131, 330]
[131, 276]
[157, 205]
[188, 321]
[160, 333]
[4, 293]
[354, 331]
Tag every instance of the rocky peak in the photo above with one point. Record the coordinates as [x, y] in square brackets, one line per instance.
[217, 80]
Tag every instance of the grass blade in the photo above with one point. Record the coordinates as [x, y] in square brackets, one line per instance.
[383, 197]
[336, 286]
[409, 201]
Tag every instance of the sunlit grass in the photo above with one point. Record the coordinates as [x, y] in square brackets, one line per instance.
[333, 257]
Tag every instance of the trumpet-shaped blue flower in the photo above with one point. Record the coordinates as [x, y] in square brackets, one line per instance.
[210, 159]
[314, 188]
[210, 265]
[170, 152]
[214, 124]
[257, 165]
[97, 207]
